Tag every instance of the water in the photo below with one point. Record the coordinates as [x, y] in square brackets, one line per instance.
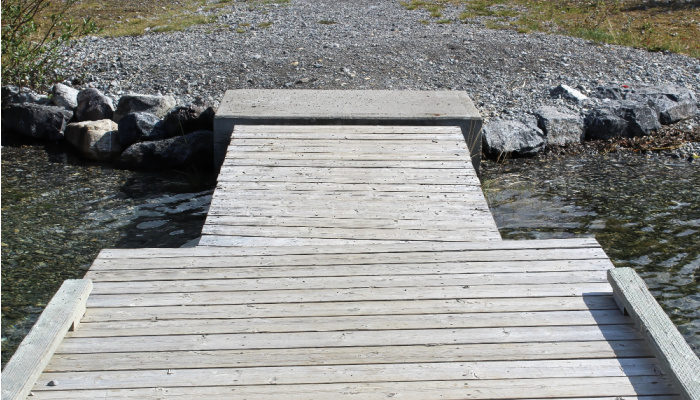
[58, 213]
[645, 212]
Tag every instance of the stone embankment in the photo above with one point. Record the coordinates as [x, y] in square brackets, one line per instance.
[142, 131]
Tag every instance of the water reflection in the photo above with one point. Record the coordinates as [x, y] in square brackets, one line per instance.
[645, 212]
[58, 213]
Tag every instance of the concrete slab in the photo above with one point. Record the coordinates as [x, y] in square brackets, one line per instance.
[348, 107]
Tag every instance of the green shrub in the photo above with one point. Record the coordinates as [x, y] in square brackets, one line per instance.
[33, 32]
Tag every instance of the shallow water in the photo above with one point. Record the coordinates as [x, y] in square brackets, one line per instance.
[645, 212]
[58, 213]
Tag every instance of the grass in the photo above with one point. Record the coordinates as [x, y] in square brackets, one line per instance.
[657, 26]
[132, 18]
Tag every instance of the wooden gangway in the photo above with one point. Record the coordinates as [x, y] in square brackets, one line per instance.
[354, 262]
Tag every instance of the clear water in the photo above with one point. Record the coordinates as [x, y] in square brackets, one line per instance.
[645, 212]
[58, 213]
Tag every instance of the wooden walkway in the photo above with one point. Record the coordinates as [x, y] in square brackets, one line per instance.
[353, 262]
[500, 319]
[293, 185]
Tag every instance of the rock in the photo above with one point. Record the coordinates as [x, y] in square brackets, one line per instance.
[672, 103]
[137, 127]
[186, 119]
[157, 105]
[512, 137]
[620, 119]
[560, 128]
[93, 106]
[15, 95]
[195, 148]
[35, 120]
[612, 92]
[568, 93]
[96, 140]
[64, 96]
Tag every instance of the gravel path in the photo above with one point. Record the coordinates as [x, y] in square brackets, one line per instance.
[374, 44]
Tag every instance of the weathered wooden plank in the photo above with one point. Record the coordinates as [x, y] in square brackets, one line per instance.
[467, 249]
[399, 307]
[607, 388]
[194, 283]
[405, 129]
[63, 311]
[348, 233]
[348, 355]
[404, 372]
[673, 352]
[160, 269]
[368, 223]
[205, 326]
[276, 187]
[352, 294]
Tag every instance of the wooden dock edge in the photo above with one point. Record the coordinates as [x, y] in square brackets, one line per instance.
[63, 312]
[674, 354]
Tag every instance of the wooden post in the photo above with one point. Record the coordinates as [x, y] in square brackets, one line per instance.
[674, 354]
[63, 312]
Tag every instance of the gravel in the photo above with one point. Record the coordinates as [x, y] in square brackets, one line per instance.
[373, 44]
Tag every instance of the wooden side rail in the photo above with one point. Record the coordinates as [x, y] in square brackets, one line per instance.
[63, 312]
[674, 354]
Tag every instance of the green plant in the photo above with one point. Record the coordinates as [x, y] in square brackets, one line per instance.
[33, 32]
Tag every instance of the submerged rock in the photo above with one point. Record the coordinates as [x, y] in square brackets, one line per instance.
[96, 140]
[156, 105]
[93, 106]
[195, 148]
[35, 120]
[512, 137]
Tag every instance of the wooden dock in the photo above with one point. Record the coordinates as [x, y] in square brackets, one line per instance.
[354, 262]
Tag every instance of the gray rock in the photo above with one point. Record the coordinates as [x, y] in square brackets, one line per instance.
[96, 140]
[93, 106]
[64, 96]
[16, 95]
[512, 137]
[612, 92]
[672, 103]
[560, 128]
[620, 119]
[568, 93]
[35, 120]
[157, 105]
[195, 148]
[186, 119]
[139, 126]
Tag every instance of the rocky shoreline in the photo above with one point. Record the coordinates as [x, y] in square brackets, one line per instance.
[553, 89]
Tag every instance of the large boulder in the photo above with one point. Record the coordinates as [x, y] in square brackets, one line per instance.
[195, 148]
[139, 127]
[64, 96]
[620, 119]
[672, 103]
[157, 105]
[560, 128]
[186, 119]
[512, 137]
[35, 120]
[96, 140]
[93, 106]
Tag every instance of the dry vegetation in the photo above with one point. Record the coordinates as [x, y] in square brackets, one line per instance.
[653, 25]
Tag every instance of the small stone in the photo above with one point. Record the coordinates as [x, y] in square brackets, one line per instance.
[52, 383]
